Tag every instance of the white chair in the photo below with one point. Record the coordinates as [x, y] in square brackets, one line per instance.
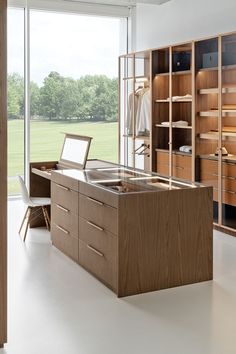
[36, 207]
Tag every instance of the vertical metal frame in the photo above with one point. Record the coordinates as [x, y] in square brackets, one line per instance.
[170, 113]
[151, 110]
[133, 109]
[220, 130]
[193, 72]
[27, 93]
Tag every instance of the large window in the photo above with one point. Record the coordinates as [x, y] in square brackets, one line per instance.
[15, 98]
[73, 84]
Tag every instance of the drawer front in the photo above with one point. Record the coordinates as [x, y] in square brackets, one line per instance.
[182, 173]
[229, 169]
[162, 157]
[163, 169]
[99, 194]
[65, 218]
[66, 181]
[95, 262]
[227, 197]
[66, 243]
[182, 161]
[209, 180]
[208, 166]
[65, 197]
[95, 211]
[101, 239]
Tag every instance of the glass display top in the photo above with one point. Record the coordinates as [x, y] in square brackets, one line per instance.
[123, 180]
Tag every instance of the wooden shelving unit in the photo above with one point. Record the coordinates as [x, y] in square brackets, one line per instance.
[206, 70]
[172, 72]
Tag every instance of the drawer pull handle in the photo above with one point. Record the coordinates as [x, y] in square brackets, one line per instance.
[95, 201]
[95, 226]
[179, 168]
[62, 208]
[62, 187]
[95, 251]
[62, 229]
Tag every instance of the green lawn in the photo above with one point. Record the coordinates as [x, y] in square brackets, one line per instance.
[46, 143]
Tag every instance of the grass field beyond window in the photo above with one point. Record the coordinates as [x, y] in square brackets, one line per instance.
[47, 139]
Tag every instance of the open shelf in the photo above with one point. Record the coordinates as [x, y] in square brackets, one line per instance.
[215, 113]
[225, 90]
[177, 152]
[215, 68]
[173, 126]
[215, 136]
[179, 101]
[183, 72]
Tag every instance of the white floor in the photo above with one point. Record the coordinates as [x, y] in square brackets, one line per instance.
[56, 307]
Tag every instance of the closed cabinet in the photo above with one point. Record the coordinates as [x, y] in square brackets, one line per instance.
[98, 238]
[64, 216]
[98, 252]
[181, 165]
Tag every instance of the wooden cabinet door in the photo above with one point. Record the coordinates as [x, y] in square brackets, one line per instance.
[3, 174]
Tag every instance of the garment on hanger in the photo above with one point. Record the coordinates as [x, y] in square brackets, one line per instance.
[141, 100]
[187, 97]
[144, 113]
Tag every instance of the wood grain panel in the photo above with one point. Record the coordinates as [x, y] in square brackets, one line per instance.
[107, 244]
[103, 268]
[65, 181]
[182, 161]
[65, 242]
[99, 213]
[66, 197]
[3, 172]
[99, 194]
[167, 243]
[182, 173]
[66, 218]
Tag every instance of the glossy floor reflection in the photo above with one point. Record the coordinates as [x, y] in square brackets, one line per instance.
[57, 307]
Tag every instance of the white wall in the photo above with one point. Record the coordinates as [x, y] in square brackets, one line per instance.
[182, 20]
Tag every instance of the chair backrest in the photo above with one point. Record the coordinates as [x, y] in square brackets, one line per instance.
[24, 192]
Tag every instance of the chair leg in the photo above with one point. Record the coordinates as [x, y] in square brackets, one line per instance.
[28, 222]
[23, 221]
[48, 218]
[45, 217]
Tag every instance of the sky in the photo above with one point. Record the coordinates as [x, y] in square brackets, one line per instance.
[73, 45]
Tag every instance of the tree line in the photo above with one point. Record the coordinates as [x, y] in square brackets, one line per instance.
[90, 98]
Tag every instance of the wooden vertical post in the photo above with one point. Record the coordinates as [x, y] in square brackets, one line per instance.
[3, 172]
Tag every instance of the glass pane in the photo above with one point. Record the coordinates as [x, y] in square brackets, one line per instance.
[229, 131]
[74, 88]
[182, 112]
[207, 134]
[15, 98]
[161, 124]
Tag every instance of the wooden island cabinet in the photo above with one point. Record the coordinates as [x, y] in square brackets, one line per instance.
[136, 232]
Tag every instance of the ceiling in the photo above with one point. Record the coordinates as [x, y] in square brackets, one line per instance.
[121, 2]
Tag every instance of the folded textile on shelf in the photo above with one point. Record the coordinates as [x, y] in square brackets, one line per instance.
[166, 124]
[180, 123]
[187, 97]
[186, 148]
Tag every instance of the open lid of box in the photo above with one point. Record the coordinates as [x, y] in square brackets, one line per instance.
[75, 151]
